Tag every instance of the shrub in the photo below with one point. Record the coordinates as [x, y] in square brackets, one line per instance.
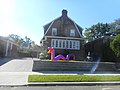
[115, 45]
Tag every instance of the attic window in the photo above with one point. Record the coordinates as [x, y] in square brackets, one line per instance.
[54, 31]
[72, 32]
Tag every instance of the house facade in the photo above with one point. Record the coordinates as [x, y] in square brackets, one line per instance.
[7, 47]
[65, 36]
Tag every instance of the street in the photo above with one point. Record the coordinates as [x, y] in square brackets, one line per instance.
[61, 88]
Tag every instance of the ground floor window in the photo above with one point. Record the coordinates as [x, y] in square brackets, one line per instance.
[65, 44]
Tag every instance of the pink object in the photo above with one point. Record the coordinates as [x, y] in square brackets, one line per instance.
[59, 57]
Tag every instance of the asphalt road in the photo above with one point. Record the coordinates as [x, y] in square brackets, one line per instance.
[62, 88]
[4, 60]
[16, 71]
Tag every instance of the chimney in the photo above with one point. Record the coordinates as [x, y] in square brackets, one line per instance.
[64, 13]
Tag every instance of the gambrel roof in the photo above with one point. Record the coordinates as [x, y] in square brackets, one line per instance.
[62, 17]
[48, 26]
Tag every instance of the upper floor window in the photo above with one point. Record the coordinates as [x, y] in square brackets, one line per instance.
[72, 32]
[54, 31]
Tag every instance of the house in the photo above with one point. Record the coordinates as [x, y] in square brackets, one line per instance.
[7, 47]
[65, 36]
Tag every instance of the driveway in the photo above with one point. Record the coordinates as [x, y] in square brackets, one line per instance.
[16, 71]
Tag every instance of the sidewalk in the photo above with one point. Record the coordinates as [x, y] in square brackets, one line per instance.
[74, 73]
[72, 83]
[13, 78]
[15, 72]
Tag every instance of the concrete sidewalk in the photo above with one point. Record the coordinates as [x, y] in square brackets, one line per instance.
[13, 78]
[15, 72]
[74, 73]
[72, 83]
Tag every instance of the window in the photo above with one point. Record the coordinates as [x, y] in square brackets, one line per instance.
[70, 44]
[77, 45]
[72, 32]
[52, 43]
[62, 44]
[54, 31]
[56, 43]
[74, 44]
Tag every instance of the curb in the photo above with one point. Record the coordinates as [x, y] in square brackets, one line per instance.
[73, 83]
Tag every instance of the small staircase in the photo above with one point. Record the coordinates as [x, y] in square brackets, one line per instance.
[39, 66]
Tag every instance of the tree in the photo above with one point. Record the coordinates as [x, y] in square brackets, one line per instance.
[24, 43]
[96, 31]
[27, 47]
[115, 45]
[115, 27]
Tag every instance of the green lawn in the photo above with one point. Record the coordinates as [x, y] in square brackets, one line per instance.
[73, 78]
[65, 61]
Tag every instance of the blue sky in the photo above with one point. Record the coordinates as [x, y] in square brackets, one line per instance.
[27, 17]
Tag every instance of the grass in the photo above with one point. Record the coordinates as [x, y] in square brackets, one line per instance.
[65, 61]
[73, 78]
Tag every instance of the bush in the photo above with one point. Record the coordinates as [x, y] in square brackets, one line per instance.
[44, 56]
[115, 45]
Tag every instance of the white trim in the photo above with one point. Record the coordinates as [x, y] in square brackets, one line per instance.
[54, 31]
[50, 25]
[77, 29]
[68, 45]
[48, 28]
[52, 21]
[44, 40]
[75, 23]
[63, 37]
[76, 26]
[72, 32]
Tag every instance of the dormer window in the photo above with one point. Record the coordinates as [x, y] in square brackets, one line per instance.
[54, 31]
[72, 32]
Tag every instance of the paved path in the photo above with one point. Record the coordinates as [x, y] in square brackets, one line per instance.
[62, 88]
[15, 72]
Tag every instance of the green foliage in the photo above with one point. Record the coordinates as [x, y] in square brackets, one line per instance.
[115, 45]
[73, 78]
[27, 47]
[44, 55]
[115, 27]
[26, 42]
[99, 30]
[96, 31]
